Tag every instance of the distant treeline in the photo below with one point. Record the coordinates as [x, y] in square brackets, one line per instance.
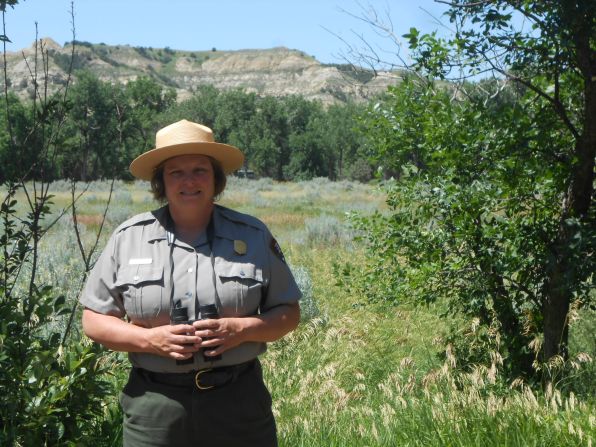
[107, 125]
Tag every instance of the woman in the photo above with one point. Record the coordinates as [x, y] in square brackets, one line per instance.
[192, 291]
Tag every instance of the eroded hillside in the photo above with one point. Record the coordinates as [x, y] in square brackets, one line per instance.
[274, 72]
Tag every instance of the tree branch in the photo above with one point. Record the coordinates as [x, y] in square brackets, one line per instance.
[559, 109]
[465, 5]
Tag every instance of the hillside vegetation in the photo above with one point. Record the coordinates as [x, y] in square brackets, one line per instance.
[270, 72]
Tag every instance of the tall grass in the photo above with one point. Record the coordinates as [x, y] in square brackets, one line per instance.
[340, 391]
[351, 374]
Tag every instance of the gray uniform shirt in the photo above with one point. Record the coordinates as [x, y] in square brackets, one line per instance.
[132, 278]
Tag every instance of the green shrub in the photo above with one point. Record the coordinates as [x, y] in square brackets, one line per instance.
[56, 386]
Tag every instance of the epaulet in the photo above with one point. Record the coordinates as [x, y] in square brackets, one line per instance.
[241, 218]
[139, 219]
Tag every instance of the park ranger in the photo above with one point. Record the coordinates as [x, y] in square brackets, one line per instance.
[193, 292]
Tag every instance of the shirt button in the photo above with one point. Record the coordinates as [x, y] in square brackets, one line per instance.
[242, 273]
[136, 277]
[189, 270]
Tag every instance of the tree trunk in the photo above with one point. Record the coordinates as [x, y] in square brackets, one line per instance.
[555, 310]
[563, 272]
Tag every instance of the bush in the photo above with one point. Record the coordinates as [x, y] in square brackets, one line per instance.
[58, 384]
[328, 231]
[308, 305]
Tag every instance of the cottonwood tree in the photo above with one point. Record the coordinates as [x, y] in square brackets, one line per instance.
[549, 47]
[543, 143]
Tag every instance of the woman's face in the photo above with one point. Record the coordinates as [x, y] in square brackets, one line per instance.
[189, 181]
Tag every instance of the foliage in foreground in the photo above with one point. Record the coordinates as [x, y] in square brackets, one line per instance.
[551, 56]
[497, 213]
[350, 375]
[473, 220]
[55, 389]
[56, 386]
[336, 393]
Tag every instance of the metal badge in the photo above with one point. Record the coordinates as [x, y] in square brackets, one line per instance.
[240, 247]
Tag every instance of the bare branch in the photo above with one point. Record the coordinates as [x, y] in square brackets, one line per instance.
[72, 52]
[76, 223]
[64, 210]
[465, 5]
[557, 105]
[103, 220]
[7, 105]
[86, 257]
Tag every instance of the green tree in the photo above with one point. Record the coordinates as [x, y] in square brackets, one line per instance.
[304, 158]
[283, 138]
[309, 155]
[235, 108]
[343, 141]
[92, 124]
[270, 144]
[201, 107]
[397, 135]
[138, 110]
[110, 125]
[496, 212]
[555, 59]
[14, 134]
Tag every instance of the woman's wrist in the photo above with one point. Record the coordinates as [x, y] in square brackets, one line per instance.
[247, 328]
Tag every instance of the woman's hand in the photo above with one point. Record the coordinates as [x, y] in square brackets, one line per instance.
[170, 341]
[221, 334]
[173, 341]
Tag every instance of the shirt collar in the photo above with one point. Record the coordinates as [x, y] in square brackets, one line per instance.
[157, 231]
[224, 228]
[162, 228]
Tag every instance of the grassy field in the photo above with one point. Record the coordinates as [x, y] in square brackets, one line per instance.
[352, 374]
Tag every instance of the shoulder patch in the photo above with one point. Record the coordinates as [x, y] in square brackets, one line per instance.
[277, 250]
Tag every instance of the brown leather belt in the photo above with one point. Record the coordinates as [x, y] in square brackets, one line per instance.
[204, 379]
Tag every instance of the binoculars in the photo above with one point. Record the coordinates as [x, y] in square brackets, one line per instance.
[180, 316]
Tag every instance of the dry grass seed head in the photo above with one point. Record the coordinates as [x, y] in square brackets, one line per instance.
[536, 345]
[517, 383]
[375, 432]
[386, 389]
[529, 399]
[570, 402]
[406, 362]
[450, 360]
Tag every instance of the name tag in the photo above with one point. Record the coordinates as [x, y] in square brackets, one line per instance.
[140, 261]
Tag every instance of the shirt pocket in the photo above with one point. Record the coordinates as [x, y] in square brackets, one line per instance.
[142, 291]
[241, 288]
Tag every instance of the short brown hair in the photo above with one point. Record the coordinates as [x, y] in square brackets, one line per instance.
[158, 187]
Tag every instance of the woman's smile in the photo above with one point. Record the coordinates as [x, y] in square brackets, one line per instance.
[188, 179]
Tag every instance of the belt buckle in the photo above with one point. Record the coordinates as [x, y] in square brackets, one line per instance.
[198, 380]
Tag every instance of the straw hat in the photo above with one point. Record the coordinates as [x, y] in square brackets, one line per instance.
[185, 138]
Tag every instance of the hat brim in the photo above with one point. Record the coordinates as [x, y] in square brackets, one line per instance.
[230, 157]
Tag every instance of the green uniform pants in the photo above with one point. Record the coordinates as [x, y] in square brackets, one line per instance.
[237, 414]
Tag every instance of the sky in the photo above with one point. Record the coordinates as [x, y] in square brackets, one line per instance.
[321, 28]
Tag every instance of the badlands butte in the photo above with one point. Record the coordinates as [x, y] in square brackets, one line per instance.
[271, 72]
